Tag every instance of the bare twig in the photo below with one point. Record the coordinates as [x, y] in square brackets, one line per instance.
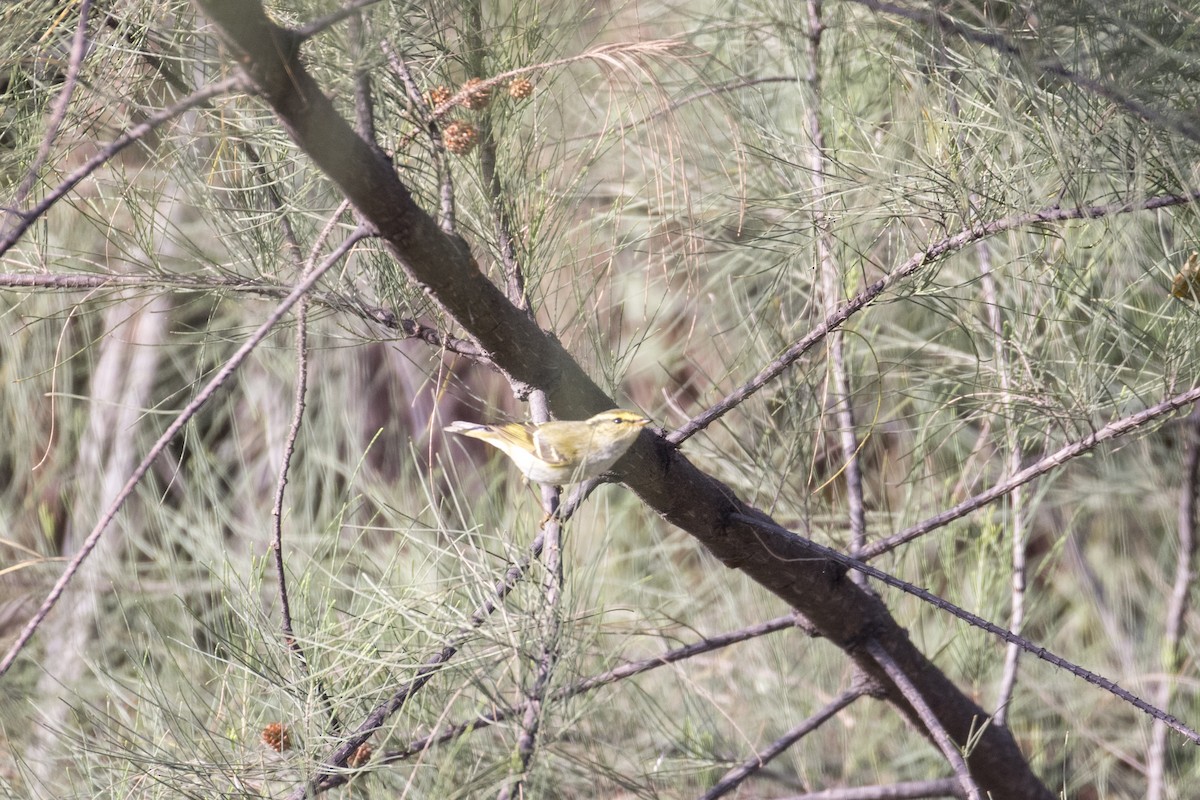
[192, 408]
[437, 146]
[338, 758]
[706, 645]
[1016, 616]
[409, 328]
[494, 716]
[905, 790]
[289, 449]
[930, 255]
[79, 47]
[950, 749]
[735, 777]
[552, 583]
[978, 622]
[20, 221]
[1112, 430]
[548, 658]
[350, 10]
[1177, 607]
[831, 293]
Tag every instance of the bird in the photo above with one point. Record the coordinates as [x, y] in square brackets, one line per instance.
[561, 452]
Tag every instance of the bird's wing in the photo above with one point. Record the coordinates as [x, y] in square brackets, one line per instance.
[546, 451]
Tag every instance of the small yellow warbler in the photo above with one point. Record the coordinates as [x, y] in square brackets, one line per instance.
[562, 451]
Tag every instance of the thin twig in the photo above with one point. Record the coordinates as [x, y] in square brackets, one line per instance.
[736, 776]
[202, 397]
[399, 66]
[1016, 616]
[933, 726]
[337, 759]
[991, 300]
[1177, 606]
[831, 292]
[289, 449]
[350, 10]
[25, 219]
[548, 657]
[905, 790]
[976, 621]
[451, 732]
[58, 113]
[410, 328]
[928, 256]
[1112, 430]
[552, 583]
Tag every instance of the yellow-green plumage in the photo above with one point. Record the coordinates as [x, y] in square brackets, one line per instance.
[562, 451]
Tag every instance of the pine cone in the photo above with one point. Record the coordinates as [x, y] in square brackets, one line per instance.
[476, 99]
[520, 89]
[460, 137]
[436, 96]
[276, 737]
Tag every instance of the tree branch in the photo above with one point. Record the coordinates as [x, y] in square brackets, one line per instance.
[202, 397]
[1112, 430]
[409, 328]
[949, 749]
[627, 670]
[735, 777]
[20, 221]
[942, 604]
[930, 255]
